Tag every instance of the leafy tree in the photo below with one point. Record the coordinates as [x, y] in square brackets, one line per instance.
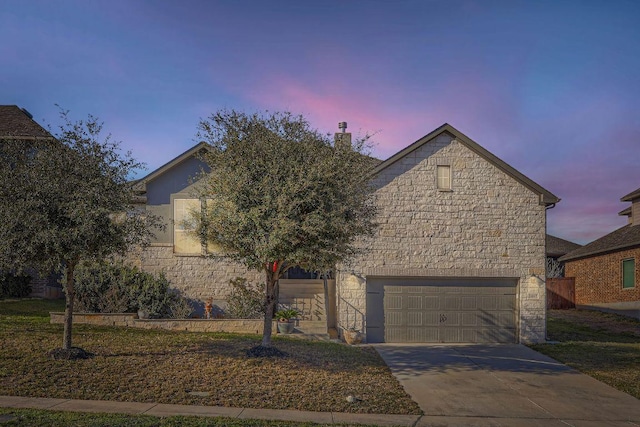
[280, 194]
[66, 200]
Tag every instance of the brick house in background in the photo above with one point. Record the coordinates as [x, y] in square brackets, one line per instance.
[17, 124]
[459, 255]
[606, 270]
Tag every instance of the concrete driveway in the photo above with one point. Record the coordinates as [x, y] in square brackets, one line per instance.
[503, 385]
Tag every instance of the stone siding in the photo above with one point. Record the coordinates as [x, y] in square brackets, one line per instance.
[199, 278]
[487, 225]
[599, 278]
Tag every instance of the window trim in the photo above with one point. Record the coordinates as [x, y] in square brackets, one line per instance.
[633, 273]
[439, 167]
[177, 228]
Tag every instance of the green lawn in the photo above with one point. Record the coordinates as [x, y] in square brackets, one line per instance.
[163, 366]
[604, 346]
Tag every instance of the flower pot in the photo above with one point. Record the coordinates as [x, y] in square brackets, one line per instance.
[352, 337]
[286, 327]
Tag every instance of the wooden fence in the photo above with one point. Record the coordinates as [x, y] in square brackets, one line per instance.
[561, 293]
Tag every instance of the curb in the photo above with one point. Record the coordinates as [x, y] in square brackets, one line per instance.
[165, 410]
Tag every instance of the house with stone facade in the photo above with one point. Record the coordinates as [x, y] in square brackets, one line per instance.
[606, 270]
[459, 254]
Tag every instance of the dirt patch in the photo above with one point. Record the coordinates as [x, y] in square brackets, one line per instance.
[598, 320]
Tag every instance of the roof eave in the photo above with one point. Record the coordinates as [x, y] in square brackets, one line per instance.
[600, 252]
[631, 196]
[142, 182]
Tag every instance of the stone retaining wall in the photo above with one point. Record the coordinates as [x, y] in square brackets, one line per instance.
[103, 319]
[242, 326]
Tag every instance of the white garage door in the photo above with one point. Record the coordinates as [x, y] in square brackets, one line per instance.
[445, 311]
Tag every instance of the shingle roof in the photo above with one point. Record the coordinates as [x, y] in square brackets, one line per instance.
[623, 238]
[557, 247]
[15, 123]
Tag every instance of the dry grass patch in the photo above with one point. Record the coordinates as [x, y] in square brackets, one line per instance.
[166, 367]
[39, 418]
[604, 346]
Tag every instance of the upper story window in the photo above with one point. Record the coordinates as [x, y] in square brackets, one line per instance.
[444, 177]
[183, 241]
[628, 273]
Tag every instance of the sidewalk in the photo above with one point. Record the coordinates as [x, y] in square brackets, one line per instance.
[166, 410]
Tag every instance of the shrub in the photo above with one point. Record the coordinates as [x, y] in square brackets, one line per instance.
[246, 301]
[119, 288]
[14, 286]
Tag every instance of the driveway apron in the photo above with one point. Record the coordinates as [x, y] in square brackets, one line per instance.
[503, 384]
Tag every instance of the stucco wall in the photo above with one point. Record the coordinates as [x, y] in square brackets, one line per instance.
[599, 278]
[489, 225]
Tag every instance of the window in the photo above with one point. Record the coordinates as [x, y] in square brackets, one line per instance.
[628, 273]
[444, 177]
[183, 242]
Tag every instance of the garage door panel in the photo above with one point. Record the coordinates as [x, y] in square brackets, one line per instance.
[415, 302]
[393, 302]
[414, 318]
[431, 302]
[392, 319]
[468, 303]
[459, 310]
[450, 318]
[431, 318]
[469, 319]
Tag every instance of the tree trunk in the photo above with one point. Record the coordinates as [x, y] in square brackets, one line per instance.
[326, 297]
[270, 305]
[68, 311]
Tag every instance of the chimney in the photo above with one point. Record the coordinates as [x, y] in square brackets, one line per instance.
[634, 218]
[343, 138]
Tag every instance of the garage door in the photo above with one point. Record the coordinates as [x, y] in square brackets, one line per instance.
[445, 311]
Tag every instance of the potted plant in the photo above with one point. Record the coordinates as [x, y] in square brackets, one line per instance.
[285, 320]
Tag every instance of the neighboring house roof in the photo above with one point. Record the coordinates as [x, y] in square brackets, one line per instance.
[557, 247]
[193, 151]
[623, 238]
[17, 123]
[625, 212]
[546, 196]
[631, 196]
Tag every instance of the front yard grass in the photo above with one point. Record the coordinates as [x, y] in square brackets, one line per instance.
[604, 346]
[163, 366]
[39, 418]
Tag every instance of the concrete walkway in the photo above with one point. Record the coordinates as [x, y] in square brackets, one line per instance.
[166, 410]
[503, 385]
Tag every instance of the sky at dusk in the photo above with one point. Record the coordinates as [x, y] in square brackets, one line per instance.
[550, 87]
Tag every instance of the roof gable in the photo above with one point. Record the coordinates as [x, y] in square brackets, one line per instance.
[546, 196]
[193, 151]
[16, 123]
